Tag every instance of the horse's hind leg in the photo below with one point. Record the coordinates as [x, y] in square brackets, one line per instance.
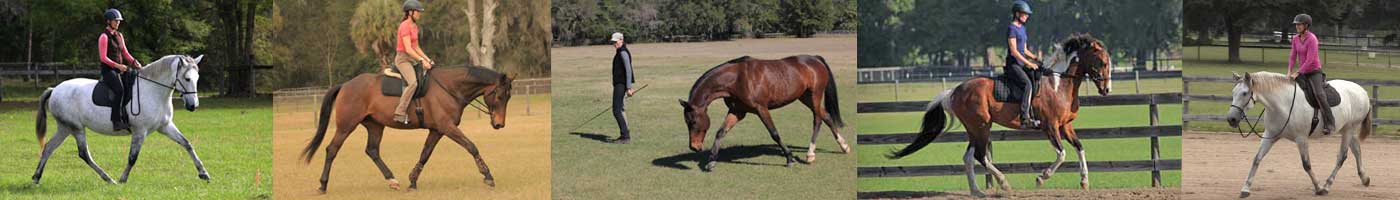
[138, 138]
[1341, 159]
[982, 145]
[968, 160]
[174, 134]
[1059, 156]
[376, 134]
[1307, 164]
[1356, 150]
[342, 131]
[767, 118]
[53, 144]
[461, 139]
[428, 146]
[1265, 144]
[83, 153]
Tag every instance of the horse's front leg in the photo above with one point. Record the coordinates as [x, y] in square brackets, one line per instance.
[174, 134]
[1307, 164]
[767, 118]
[1264, 145]
[729, 121]
[428, 146]
[138, 137]
[461, 139]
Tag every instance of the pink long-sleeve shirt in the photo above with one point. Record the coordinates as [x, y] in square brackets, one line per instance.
[1304, 53]
[102, 50]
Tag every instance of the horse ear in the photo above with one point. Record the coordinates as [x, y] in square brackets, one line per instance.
[1237, 76]
[683, 103]
[197, 59]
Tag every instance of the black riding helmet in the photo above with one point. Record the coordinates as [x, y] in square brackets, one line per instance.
[1021, 6]
[412, 5]
[112, 14]
[1302, 19]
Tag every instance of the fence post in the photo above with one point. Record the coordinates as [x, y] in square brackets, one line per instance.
[1137, 83]
[527, 99]
[896, 89]
[1156, 151]
[1185, 103]
[1261, 54]
[1375, 113]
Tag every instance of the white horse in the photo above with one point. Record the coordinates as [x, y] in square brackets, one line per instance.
[1288, 116]
[150, 109]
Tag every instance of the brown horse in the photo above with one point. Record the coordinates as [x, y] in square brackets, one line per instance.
[1057, 103]
[448, 92]
[750, 85]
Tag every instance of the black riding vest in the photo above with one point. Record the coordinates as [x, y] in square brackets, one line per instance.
[114, 49]
[619, 68]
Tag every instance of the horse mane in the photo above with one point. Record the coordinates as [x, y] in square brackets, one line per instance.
[1268, 81]
[712, 70]
[1077, 42]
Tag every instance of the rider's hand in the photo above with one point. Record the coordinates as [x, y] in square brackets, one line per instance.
[121, 67]
[1292, 75]
[138, 65]
[1032, 65]
[630, 92]
[427, 64]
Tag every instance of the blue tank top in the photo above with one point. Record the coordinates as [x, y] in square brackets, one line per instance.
[1018, 32]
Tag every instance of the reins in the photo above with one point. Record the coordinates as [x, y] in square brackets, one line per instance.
[137, 87]
[1260, 119]
[472, 102]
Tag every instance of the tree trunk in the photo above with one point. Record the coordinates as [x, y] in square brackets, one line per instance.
[1234, 39]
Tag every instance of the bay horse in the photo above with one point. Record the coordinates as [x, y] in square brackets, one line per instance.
[1286, 116]
[448, 92]
[750, 85]
[75, 112]
[1057, 103]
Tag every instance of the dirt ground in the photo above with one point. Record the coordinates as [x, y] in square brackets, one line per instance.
[518, 156]
[1170, 193]
[1217, 164]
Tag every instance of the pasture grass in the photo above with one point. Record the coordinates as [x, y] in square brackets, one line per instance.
[232, 137]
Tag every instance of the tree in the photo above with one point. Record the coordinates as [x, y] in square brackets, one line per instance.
[803, 18]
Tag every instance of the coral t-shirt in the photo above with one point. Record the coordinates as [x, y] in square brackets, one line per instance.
[406, 29]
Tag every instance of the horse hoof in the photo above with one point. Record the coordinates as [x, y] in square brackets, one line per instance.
[1244, 194]
[708, 167]
[1084, 185]
[811, 158]
[490, 182]
[321, 191]
[204, 176]
[1366, 182]
[1039, 182]
[789, 163]
[978, 194]
[393, 184]
[1321, 192]
[845, 149]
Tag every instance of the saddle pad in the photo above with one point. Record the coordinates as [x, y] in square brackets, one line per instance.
[101, 96]
[393, 86]
[1333, 99]
[1007, 89]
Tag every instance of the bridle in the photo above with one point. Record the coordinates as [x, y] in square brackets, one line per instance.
[1259, 118]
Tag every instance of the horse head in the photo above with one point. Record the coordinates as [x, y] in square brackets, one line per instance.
[179, 73]
[497, 98]
[698, 122]
[1242, 99]
[1090, 59]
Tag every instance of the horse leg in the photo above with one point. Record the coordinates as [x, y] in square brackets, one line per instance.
[729, 121]
[1083, 162]
[767, 118]
[428, 146]
[968, 161]
[342, 131]
[1264, 145]
[174, 134]
[461, 139]
[138, 137]
[982, 146]
[376, 134]
[1356, 150]
[1341, 158]
[1059, 157]
[812, 147]
[1307, 164]
[83, 153]
[53, 144]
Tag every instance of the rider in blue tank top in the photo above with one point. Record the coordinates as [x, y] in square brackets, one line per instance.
[1020, 62]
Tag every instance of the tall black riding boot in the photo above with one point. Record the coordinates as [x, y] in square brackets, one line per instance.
[1317, 83]
[1028, 120]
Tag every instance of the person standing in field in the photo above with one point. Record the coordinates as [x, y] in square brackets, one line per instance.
[622, 85]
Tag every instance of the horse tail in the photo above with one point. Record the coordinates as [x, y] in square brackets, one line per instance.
[934, 122]
[1366, 125]
[327, 103]
[833, 106]
[41, 124]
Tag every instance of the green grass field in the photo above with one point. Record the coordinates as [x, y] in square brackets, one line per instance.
[232, 137]
[658, 164]
[1212, 62]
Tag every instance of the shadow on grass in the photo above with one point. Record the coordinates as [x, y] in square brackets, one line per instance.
[735, 155]
[592, 136]
[913, 194]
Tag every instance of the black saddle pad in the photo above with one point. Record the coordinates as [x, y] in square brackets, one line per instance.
[1333, 99]
[1007, 89]
[102, 96]
[391, 86]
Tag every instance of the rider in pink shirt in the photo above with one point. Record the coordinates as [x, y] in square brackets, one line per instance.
[111, 48]
[1309, 75]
